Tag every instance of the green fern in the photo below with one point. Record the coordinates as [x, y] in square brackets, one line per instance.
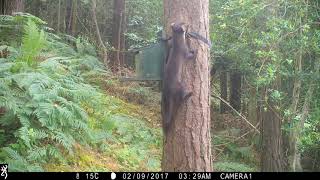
[46, 102]
[33, 42]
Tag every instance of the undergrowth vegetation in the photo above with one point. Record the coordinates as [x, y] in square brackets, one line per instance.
[235, 148]
[52, 106]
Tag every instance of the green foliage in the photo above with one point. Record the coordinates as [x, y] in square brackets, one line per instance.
[310, 141]
[232, 150]
[276, 47]
[50, 107]
[11, 27]
[138, 140]
[44, 104]
[232, 167]
[144, 22]
[33, 42]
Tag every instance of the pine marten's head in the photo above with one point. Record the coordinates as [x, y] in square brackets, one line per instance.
[178, 27]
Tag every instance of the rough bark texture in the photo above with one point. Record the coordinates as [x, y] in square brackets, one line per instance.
[235, 90]
[118, 18]
[187, 146]
[271, 156]
[223, 90]
[8, 7]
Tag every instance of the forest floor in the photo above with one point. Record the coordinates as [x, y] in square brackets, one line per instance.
[234, 151]
[123, 152]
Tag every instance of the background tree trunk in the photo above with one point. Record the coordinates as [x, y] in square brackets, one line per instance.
[59, 16]
[8, 7]
[122, 36]
[103, 49]
[271, 156]
[272, 152]
[36, 7]
[235, 90]
[74, 18]
[68, 16]
[118, 18]
[71, 11]
[187, 147]
[223, 90]
[252, 106]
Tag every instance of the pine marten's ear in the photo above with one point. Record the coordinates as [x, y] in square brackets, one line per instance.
[185, 27]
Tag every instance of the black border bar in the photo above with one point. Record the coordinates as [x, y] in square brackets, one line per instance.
[158, 175]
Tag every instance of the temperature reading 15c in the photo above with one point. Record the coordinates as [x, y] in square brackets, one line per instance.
[92, 175]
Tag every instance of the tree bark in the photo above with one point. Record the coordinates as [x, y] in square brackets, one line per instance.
[235, 90]
[223, 90]
[271, 156]
[117, 32]
[187, 146]
[8, 7]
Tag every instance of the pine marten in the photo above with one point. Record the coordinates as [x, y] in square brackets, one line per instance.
[174, 92]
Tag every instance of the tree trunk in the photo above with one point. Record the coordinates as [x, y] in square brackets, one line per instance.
[59, 16]
[74, 18]
[103, 49]
[71, 10]
[252, 106]
[68, 16]
[235, 90]
[271, 156]
[122, 37]
[36, 7]
[187, 146]
[298, 128]
[223, 90]
[118, 18]
[8, 7]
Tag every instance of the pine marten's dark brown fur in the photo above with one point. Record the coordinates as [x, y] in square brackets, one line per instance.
[174, 92]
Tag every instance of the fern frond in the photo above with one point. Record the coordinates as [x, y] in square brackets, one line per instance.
[13, 154]
[65, 140]
[24, 135]
[37, 154]
[33, 42]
